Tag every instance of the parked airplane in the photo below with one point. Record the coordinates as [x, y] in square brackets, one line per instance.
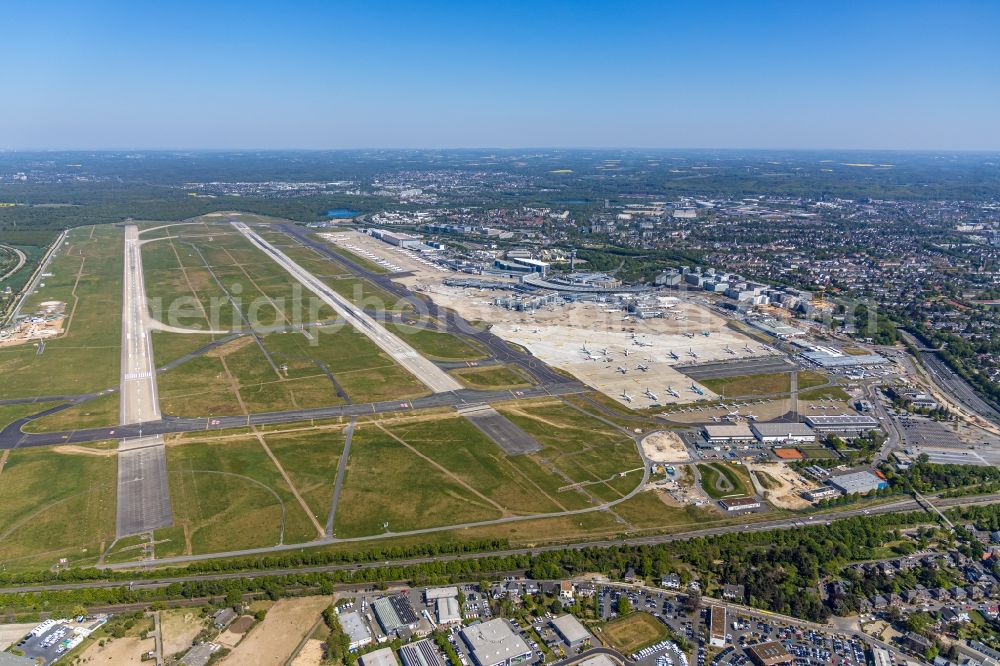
[689, 335]
[674, 355]
[729, 350]
[642, 367]
[622, 370]
[697, 390]
[747, 349]
[671, 391]
[626, 351]
[706, 333]
[692, 352]
[651, 395]
[626, 397]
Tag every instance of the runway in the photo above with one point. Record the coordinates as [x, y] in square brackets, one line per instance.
[143, 493]
[507, 434]
[433, 377]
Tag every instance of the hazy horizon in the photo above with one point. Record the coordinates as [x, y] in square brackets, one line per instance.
[910, 76]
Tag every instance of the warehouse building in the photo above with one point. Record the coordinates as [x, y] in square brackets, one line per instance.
[421, 653]
[772, 653]
[727, 434]
[448, 611]
[772, 433]
[858, 482]
[432, 594]
[380, 657]
[827, 359]
[356, 629]
[841, 424]
[395, 613]
[821, 493]
[493, 643]
[740, 504]
[570, 630]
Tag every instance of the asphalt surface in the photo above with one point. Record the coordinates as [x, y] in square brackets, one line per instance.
[143, 493]
[12, 436]
[507, 434]
[433, 377]
[737, 368]
[498, 348]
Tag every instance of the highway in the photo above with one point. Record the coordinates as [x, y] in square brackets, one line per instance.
[143, 493]
[433, 377]
[950, 384]
[782, 523]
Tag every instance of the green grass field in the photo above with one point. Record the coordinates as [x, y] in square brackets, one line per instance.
[457, 445]
[223, 494]
[311, 460]
[633, 632]
[721, 480]
[388, 483]
[438, 345]
[55, 505]
[579, 448]
[492, 377]
[11, 413]
[86, 357]
[746, 386]
[98, 412]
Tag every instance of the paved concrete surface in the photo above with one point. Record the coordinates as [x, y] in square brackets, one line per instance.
[737, 368]
[507, 434]
[432, 376]
[143, 492]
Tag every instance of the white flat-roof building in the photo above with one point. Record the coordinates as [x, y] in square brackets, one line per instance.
[570, 630]
[723, 434]
[494, 643]
[448, 611]
[420, 653]
[844, 424]
[380, 657]
[356, 629]
[435, 593]
[769, 433]
[857, 482]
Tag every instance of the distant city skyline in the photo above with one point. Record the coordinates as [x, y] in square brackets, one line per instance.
[887, 75]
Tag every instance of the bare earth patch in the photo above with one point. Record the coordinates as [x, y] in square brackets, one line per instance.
[12, 633]
[274, 639]
[788, 494]
[311, 654]
[127, 650]
[179, 629]
[665, 447]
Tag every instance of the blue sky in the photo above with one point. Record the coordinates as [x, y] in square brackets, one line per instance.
[740, 74]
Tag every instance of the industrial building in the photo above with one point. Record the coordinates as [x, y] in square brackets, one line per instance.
[394, 613]
[769, 654]
[740, 504]
[447, 610]
[494, 643]
[717, 626]
[522, 265]
[356, 629]
[858, 482]
[828, 358]
[570, 630]
[821, 493]
[395, 238]
[727, 434]
[770, 433]
[841, 424]
[434, 593]
[420, 653]
[380, 657]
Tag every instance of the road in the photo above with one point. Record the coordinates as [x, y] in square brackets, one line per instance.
[36, 278]
[143, 493]
[950, 384]
[436, 379]
[21, 259]
[784, 523]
